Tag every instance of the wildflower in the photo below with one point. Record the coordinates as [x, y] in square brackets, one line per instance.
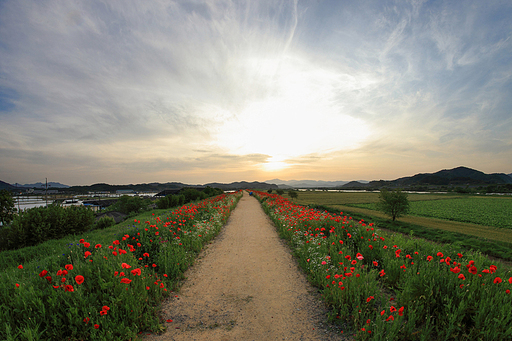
[43, 273]
[87, 244]
[68, 267]
[461, 276]
[96, 326]
[440, 254]
[79, 279]
[87, 254]
[81, 241]
[69, 288]
[125, 266]
[97, 246]
[429, 258]
[401, 311]
[86, 320]
[392, 309]
[497, 280]
[20, 266]
[126, 280]
[136, 272]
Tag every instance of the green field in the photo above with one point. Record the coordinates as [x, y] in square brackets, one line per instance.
[363, 203]
[488, 211]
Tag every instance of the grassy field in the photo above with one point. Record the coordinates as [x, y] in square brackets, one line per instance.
[493, 212]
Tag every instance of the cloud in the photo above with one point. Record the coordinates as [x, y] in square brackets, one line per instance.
[88, 85]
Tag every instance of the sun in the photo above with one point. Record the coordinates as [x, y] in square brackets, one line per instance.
[300, 114]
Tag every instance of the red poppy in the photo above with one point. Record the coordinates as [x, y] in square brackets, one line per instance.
[429, 258]
[497, 280]
[103, 312]
[69, 267]
[461, 276]
[17, 285]
[82, 241]
[87, 244]
[97, 246]
[473, 270]
[126, 280]
[401, 311]
[169, 321]
[96, 326]
[43, 273]
[86, 320]
[20, 266]
[79, 279]
[69, 288]
[87, 254]
[510, 280]
[392, 309]
[439, 254]
[136, 272]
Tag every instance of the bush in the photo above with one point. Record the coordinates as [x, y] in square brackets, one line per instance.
[127, 205]
[105, 222]
[39, 224]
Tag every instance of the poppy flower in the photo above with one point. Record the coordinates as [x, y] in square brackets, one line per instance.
[169, 321]
[510, 280]
[497, 280]
[461, 276]
[473, 270]
[87, 254]
[392, 309]
[401, 311]
[43, 273]
[79, 279]
[20, 266]
[86, 320]
[126, 280]
[69, 267]
[87, 244]
[103, 312]
[136, 272]
[96, 326]
[69, 288]
[125, 266]
[17, 285]
[429, 258]
[97, 246]
[439, 254]
[82, 241]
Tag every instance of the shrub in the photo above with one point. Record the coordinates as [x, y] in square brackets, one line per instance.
[394, 203]
[39, 224]
[105, 222]
[128, 205]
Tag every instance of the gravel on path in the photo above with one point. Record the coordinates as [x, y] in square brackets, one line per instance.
[246, 286]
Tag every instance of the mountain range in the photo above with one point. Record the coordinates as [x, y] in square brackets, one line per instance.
[460, 176]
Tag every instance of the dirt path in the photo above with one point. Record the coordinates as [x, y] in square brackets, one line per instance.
[246, 286]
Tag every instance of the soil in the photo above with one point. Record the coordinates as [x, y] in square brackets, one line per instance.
[246, 286]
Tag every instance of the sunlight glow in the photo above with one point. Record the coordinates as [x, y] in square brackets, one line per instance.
[301, 114]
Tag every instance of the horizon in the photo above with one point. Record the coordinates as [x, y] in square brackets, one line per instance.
[203, 91]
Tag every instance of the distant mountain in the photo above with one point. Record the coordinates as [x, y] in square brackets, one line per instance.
[242, 185]
[5, 185]
[459, 176]
[510, 175]
[354, 185]
[42, 185]
[305, 183]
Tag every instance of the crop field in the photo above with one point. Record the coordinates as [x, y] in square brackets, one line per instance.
[487, 211]
[383, 286]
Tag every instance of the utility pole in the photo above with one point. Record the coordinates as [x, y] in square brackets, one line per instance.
[46, 192]
[18, 194]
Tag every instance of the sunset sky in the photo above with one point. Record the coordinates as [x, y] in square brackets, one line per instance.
[229, 90]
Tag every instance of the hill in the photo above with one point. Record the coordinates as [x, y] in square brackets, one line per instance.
[305, 183]
[242, 185]
[5, 185]
[460, 176]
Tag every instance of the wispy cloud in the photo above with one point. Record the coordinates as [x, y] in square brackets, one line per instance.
[205, 90]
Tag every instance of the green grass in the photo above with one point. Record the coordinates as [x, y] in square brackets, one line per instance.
[487, 211]
[391, 286]
[130, 273]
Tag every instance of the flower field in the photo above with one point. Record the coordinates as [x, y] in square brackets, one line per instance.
[392, 287]
[109, 292]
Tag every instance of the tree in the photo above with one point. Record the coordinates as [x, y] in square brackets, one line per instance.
[394, 203]
[280, 191]
[293, 194]
[6, 206]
